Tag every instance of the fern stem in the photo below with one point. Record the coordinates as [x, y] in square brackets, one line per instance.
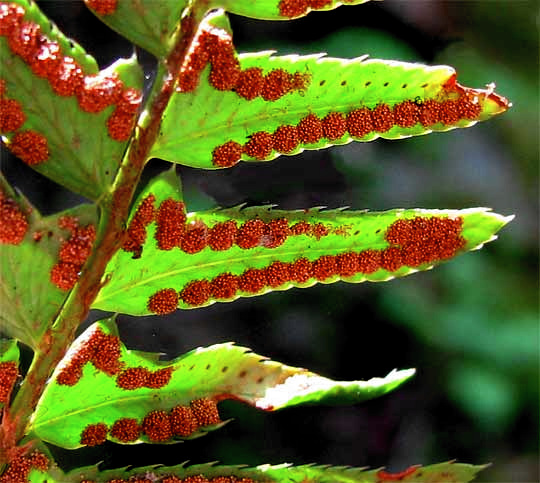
[114, 210]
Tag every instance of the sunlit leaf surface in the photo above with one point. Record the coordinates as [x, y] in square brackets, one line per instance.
[101, 390]
[34, 281]
[62, 115]
[172, 258]
[256, 107]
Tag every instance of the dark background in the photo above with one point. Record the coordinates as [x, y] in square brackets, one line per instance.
[470, 327]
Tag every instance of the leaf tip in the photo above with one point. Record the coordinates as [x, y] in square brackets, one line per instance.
[400, 376]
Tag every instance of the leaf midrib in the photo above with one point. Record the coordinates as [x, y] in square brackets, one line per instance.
[228, 261]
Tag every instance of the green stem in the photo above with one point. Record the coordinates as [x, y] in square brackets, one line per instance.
[114, 210]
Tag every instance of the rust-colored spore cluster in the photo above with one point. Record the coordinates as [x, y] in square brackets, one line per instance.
[413, 242]
[175, 479]
[102, 350]
[181, 421]
[357, 123]
[11, 115]
[102, 7]
[297, 8]
[136, 231]
[13, 222]
[20, 467]
[121, 122]
[94, 92]
[383, 476]
[170, 220]
[8, 375]
[203, 479]
[425, 240]
[164, 301]
[214, 46]
[157, 426]
[94, 434]
[73, 254]
[194, 236]
[173, 230]
[28, 145]
[139, 377]
[126, 430]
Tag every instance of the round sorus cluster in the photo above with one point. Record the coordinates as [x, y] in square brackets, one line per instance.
[20, 467]
[102, 7]
[259, 146]
[205, 411]
[424, 240]
[222, 236]
[183, 421]
[140, 377]
[163, 302]
[46, 59]
[26, 40]
[160, 378]
[136, 231]
[250, 83]
[385, 476]
[126, 430]
[133, 378]
[106, 352]
[196, 293]
[285, 139]
[11, 16]
[13, 222]
[11, 115]
[94, 434]
[72, 256]
[30, 146]
[214, 46]
[170, 220]
[102, 350]
[225, 69]
[310, 129]
[157, 426]
[413, 242]
[297, 8]
[277, 83]
[227, 154]
[250, 233]
[224, 286]
[66, 78]
[121, 122]
[8, 376]
[195, 237]
[203, 479]
[99, 92]
[356, 123]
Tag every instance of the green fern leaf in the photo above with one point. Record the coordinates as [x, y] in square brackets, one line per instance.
[449, 472]
[280, 9]
[256, 107]
[61, 114]
[174, 259]
[41, 260]
[146, 23]
[101, 390]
